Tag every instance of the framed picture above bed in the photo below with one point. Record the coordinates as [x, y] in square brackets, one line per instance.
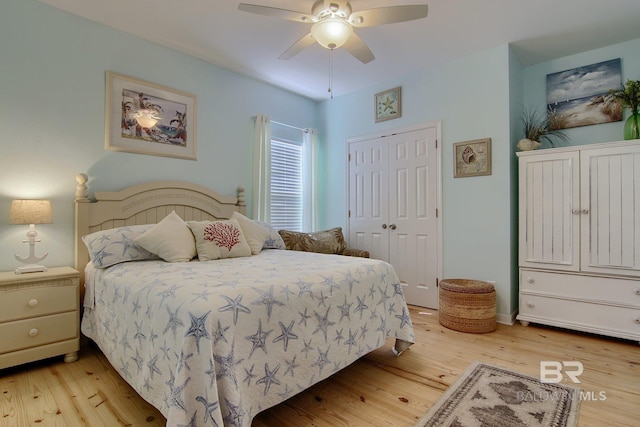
[147, 118]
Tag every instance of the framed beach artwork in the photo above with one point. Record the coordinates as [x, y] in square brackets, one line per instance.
[472, 158]
[388, 104]
[578, 97]
[148, 118]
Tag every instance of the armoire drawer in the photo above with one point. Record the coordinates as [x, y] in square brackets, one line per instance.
[605, 319]
[576, 286]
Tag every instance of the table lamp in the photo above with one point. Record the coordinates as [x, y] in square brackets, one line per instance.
[30, 212]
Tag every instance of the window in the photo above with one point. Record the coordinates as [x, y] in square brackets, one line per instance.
[285, 175]
[286, 185]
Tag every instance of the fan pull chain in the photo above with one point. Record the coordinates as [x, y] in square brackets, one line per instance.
[331, 72]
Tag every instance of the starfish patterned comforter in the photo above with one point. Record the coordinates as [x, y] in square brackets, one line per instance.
[214, 343]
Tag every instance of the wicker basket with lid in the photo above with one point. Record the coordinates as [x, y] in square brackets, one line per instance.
[467, 305]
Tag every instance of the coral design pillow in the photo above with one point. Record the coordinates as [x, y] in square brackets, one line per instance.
[219, 239]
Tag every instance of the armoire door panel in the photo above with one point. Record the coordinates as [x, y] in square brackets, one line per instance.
[550, 222]
[612, 201]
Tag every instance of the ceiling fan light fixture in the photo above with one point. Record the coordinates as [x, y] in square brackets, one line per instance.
[331, 33]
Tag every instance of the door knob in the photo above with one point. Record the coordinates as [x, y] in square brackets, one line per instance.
[384, 226]
[392, 226]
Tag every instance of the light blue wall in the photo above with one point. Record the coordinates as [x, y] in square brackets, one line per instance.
[535, 86]
[479, 96]
[52, 119]
[471, 99]
[52, 96]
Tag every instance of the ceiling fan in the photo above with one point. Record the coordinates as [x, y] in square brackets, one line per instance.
[333, 22]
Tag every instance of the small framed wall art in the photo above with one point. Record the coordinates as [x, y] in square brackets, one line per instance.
[472, 158]
[148, 118]
[388, 104]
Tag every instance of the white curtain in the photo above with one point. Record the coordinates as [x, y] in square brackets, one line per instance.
[262, 169]
[310, 179]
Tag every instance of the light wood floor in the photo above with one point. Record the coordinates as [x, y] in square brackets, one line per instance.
[379, 390]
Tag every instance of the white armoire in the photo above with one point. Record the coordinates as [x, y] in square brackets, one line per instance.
[579, 238]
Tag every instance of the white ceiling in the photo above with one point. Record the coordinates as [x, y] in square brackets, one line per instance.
[215, 31]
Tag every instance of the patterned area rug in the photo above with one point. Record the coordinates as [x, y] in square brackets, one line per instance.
[487, 395]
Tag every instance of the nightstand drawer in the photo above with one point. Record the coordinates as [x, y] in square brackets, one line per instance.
[38, 301]
[38, 331]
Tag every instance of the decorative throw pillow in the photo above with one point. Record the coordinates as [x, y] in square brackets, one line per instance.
[219, 239]
[274, 241]
[116, 245]
[326, 242]
[171, 239]
[255, 234]
[331, 240]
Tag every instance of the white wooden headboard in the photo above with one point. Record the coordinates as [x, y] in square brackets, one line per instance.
[146, 203]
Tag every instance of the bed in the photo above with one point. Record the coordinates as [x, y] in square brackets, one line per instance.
[213, 343]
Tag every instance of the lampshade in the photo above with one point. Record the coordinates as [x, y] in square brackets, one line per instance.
[147, 118]
[30, 212]
[331, 32]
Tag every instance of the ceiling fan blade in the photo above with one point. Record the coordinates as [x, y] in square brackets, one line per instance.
[274, 12]
[298, 46]
[356, 47]
[388, 15]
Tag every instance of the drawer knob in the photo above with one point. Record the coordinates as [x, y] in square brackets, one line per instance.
[33, 302]
[33, 332]
[531, 279]
[636, 291]
[530, 304]
[637, 320]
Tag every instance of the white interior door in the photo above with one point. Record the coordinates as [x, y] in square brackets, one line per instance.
[413, 237]
[393, 198]
[368, 197]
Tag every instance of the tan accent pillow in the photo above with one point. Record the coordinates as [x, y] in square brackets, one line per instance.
[170, 239]
[219, 239]
[255, 234]
[326, 242]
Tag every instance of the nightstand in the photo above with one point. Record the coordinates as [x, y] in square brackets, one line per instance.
[39, 316]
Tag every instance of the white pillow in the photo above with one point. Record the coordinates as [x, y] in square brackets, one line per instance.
[255, 234]
[219, 239]
[171, 239]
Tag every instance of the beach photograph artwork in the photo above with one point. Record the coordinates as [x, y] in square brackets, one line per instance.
[579, 96]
